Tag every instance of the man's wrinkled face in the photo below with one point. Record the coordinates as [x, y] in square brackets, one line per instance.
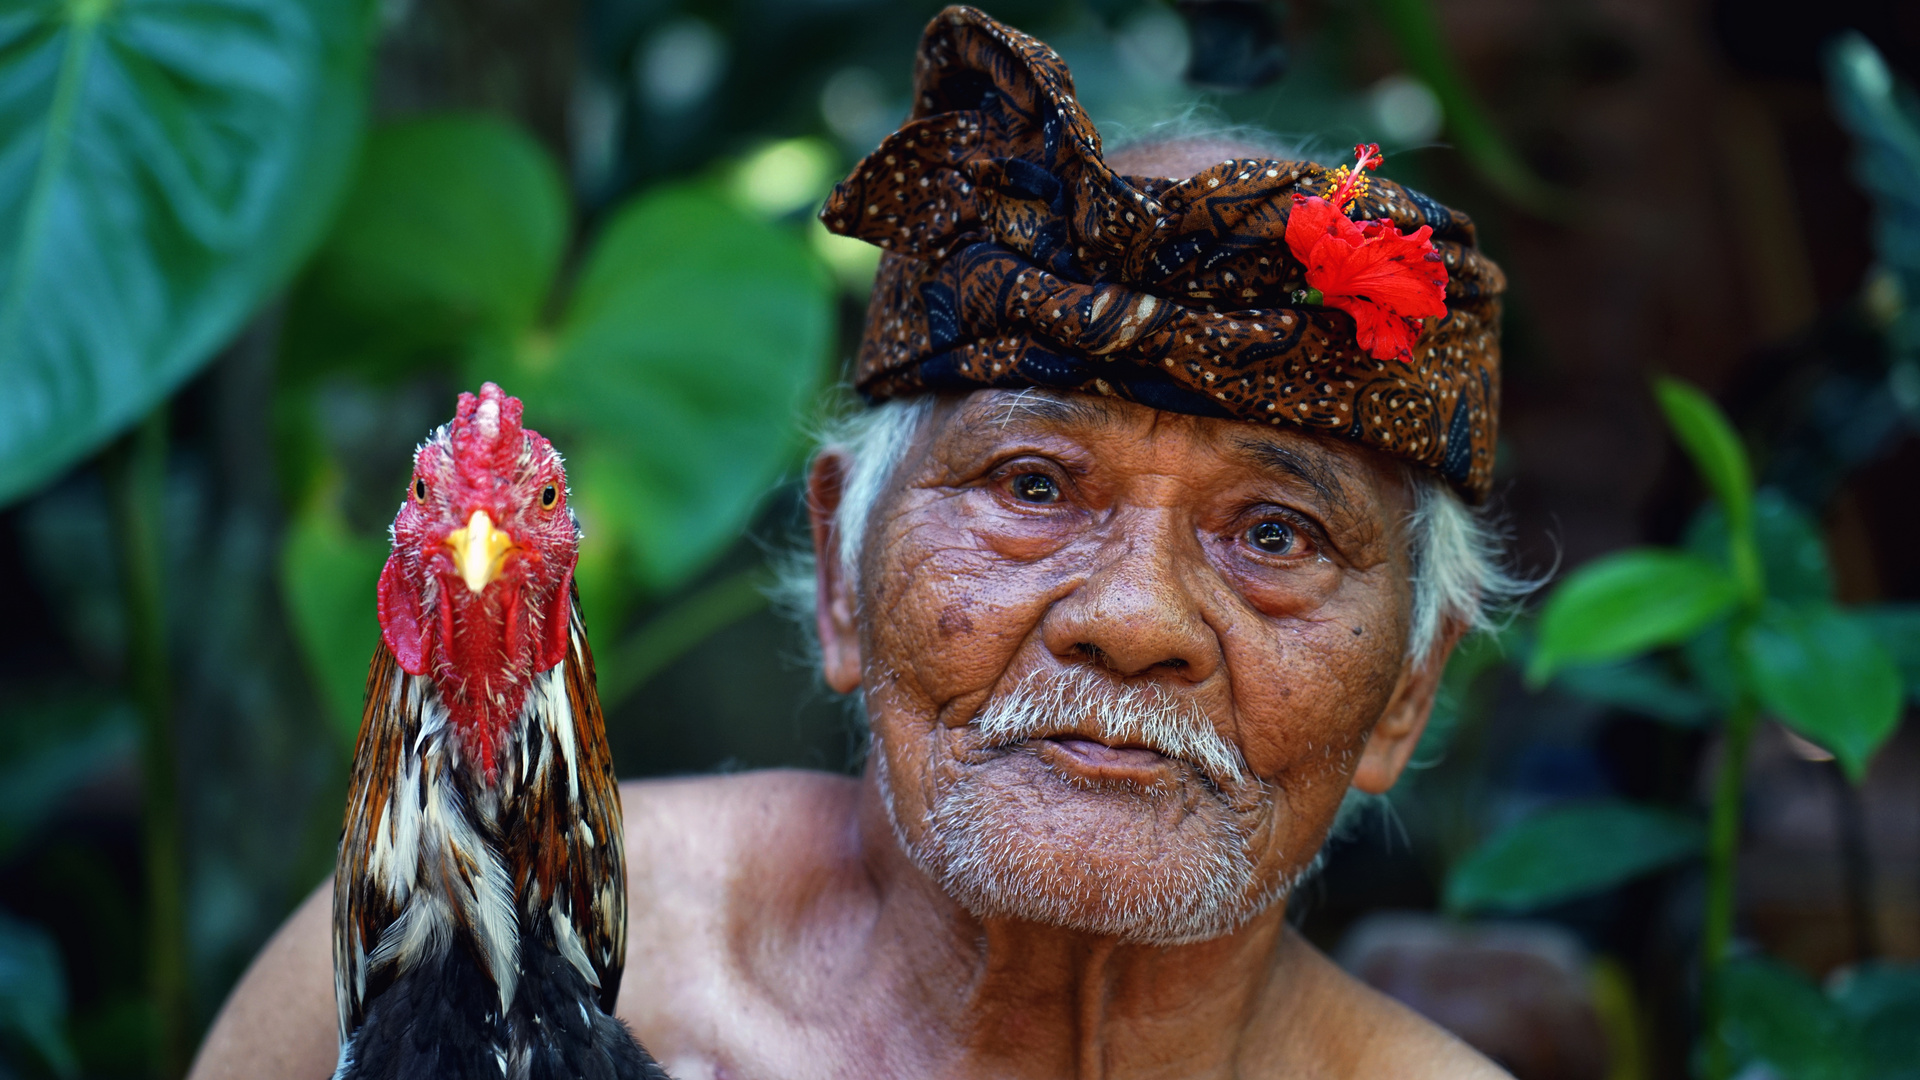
[1121, 665]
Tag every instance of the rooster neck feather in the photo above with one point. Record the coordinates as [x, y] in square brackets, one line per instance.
[440, 861]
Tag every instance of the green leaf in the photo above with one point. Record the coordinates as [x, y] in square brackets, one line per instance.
[1773, 1013]
[1793, 553]
[1722, 462]
[1897, 627]
[694, 340]
[1623, 604]
[1713, 664]
[168, 165]
[33, 992]
[1883, 1001]
[1712, 444]
[51, 743]
[1569, 852]
[1643, 686]
[1826, 676]
[329, 576]
[448, 243]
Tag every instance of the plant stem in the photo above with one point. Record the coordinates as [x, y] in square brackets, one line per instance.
[136, 475]
[1723, 850]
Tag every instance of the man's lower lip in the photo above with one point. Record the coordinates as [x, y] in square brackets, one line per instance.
[1088, 755]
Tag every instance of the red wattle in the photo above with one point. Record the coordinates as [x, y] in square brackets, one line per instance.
[558, 632]
[399, 606]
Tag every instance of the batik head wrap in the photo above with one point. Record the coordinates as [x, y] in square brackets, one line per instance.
[1015, 257]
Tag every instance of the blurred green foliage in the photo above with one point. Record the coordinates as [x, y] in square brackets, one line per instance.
[1748, 607]
[33, 993]
[1864, 1026]
[672, 367]
[1762, 574]
[1884, 118]
[1750, 604]
[185, 159]
[1570, 851]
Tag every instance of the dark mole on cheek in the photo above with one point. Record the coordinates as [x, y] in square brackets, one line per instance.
[1358, 630]
[953, 619]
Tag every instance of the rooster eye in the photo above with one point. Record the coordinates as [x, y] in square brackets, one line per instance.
[548, 496]
[419, 489]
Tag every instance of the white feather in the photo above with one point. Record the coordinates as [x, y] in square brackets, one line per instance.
[567, 940]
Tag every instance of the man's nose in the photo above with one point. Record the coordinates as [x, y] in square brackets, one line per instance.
[1139, 610]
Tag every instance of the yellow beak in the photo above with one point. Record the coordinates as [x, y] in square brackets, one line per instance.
[479, 550]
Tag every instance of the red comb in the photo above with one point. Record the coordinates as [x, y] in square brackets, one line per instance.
[486, 433]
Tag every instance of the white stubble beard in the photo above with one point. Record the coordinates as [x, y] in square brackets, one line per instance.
[990, 857]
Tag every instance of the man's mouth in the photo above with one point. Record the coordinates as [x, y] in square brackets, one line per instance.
[1096, 760]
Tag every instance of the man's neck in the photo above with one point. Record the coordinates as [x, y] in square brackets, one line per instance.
[1020, 999]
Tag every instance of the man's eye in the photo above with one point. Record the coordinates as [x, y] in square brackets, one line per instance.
[1035, 488]
[1271, 537]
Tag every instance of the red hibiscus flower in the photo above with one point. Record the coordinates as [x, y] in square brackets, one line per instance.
[1388, 282]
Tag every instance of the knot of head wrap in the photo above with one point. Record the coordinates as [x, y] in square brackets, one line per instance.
[1015, 257]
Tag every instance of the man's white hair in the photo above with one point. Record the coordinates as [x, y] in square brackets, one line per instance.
[1460, 584]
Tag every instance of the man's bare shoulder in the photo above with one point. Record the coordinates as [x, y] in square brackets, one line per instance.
[1351, 1029]
[696, 832]
[714, 865]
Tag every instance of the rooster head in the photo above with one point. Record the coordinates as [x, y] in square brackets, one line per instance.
[477, 592]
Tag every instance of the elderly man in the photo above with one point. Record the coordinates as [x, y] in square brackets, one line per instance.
[1152, 549]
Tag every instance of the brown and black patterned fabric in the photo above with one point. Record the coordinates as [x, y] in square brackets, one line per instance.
[1016, 257]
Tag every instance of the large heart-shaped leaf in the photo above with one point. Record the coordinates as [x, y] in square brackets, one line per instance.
[1569, 852]
[674, 379]
[1623, 604]
[1825, 673]
[445, 249]
[693, 342]
[164, 164]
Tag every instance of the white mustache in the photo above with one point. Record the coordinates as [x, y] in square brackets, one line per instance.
[1080, 701]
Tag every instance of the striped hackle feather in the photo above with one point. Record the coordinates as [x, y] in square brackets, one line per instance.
[480, 927]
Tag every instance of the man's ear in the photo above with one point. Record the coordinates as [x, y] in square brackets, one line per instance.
[1392, 742]
[834, 602]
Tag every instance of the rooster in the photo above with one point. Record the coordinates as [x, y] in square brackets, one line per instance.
[480, 899]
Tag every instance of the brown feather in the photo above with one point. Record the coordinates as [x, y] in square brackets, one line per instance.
[359, 908]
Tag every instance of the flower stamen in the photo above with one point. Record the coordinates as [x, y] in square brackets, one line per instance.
[1349, 182]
